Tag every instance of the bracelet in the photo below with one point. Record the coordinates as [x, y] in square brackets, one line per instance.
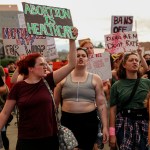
[112, 131]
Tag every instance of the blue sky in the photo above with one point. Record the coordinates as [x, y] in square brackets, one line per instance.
[93, 17]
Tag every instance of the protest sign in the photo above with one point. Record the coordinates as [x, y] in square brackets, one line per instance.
[51, 47]
[100, 64]
[18, 42]
[121, 42]
[48, 21]
[99, 50]
[83, 41]
[121, 23]
[2, 54]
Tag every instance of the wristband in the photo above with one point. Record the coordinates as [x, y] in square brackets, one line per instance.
[112, 131]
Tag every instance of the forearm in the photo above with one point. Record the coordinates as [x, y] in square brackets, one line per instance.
[104, 115]
[3, 89]
[143, 63]
[149, 132]
[15, 76]
[3, 120]
[112, 117]
[61, 73]
[72, 53]
[6, 111]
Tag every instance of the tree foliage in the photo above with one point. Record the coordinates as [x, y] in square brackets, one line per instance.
[100, 45]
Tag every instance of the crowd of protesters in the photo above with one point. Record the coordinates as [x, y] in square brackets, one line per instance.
[80, 95]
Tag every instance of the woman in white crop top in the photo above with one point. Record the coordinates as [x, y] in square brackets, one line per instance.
[78, 111]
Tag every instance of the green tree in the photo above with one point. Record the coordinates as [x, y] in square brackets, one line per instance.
[100, 45]
[4, 61]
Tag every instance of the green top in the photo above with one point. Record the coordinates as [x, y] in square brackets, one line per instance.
[121, 90]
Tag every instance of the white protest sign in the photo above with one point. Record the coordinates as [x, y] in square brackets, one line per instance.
[100, 64]
[51, 49]
[121, 42]
[121, 23]
[51, 52]
[99, 50]
[18, 42]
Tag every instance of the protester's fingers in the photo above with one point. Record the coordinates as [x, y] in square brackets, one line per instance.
[75, 31]
[105, 138]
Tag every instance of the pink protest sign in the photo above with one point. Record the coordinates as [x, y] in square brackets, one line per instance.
[121, 42]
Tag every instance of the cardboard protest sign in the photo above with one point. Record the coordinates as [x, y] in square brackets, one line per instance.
[82, 41]
[2, 54]
[48, 21]
[100, 64]
[121, 23]
[121, 42]
[51, 49]
[18, 42]
[99, 50]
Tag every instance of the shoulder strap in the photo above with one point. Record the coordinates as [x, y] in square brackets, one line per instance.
[132, 93]
[55, 108]
[89, 77]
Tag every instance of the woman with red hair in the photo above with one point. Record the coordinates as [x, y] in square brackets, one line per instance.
[37, 128]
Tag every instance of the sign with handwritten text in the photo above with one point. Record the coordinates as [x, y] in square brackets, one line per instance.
[48, 21]
[121, 42]
[121, 23]
[18, 42]
[51, 49]
[100, 64]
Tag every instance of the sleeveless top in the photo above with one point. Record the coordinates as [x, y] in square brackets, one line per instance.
[79, 91]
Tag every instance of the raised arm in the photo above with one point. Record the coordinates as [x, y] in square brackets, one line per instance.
[15, 76]
[61, 73]
[143, 61]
